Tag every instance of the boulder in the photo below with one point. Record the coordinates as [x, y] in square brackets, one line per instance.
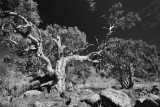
[155, 90]
[31, 93]
[86, 97]
[89, 95]
[146, 103]
[115, 98]
[93, 100]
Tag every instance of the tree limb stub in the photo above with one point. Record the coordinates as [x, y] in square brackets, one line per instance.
[80, 49]
[59, 44]
[25, 20]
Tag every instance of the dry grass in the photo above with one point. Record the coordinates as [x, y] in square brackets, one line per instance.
[95, 82]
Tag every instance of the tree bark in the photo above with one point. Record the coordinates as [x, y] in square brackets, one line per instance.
[60, 69]
[126, 79]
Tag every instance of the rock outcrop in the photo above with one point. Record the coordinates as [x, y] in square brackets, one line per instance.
[148, 100]
[146, 103]
[114, 98]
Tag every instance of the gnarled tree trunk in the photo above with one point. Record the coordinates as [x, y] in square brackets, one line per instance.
[36, 41]
[60, 69]
[126, 79]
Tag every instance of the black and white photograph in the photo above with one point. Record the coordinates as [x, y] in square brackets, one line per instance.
[79, 53]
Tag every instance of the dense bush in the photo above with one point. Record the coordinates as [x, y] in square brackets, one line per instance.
[78, 74]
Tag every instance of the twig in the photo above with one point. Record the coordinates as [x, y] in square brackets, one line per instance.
[97, 40]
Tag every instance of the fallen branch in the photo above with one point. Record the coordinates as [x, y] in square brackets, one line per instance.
[47, 83]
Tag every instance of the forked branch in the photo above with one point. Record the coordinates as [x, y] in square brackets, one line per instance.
[111, 26]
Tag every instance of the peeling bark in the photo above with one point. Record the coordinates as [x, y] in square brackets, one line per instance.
[60, 68]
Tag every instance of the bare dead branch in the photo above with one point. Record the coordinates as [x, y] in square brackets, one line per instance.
[83, 58]
[12, 41]
[111, 25]
[36, 42]
[3, 27]
[47, 83]
[25, 20]
[80, 49]
[110, 30]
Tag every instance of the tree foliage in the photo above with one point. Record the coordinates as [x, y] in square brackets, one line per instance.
[78, 74]
[26, 8]
[129, 58]
[118, 18]
[72, 38]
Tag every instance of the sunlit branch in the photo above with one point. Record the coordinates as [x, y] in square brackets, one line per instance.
[11, 42]
[84, 48]
[81, 58]
[36, 41]
[111, 26]
[110, 29]
[28, 24]
[25, 20]
[3, 27]
[14, 42]
[96, 53]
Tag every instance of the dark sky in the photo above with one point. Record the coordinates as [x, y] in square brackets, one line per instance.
[78, 13]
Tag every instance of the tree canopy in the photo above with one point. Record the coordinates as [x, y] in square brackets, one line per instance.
[129, 58]
[118, 18]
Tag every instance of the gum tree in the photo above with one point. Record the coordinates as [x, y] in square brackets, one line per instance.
[53, 47]
[19, 26]
[116, 17]
[129, 58]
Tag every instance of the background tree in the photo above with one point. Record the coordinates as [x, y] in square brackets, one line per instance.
[129, 58]
[118, 18]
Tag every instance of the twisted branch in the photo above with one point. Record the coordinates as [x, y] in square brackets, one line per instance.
[35, 41]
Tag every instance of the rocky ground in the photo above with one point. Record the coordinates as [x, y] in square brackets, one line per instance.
[142, 95]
